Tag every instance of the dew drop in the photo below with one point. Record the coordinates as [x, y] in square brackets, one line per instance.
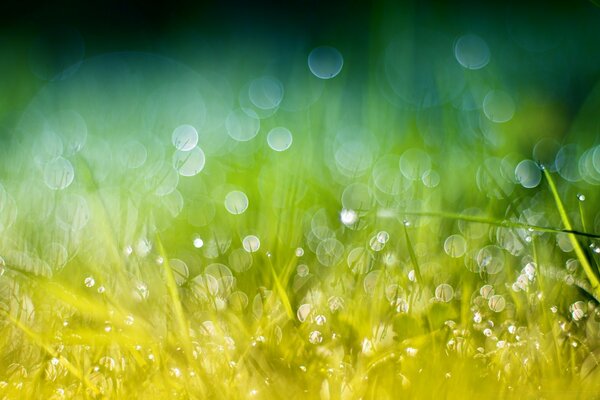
[383, 237]
[348, 217]
[315, 337]
[303, 312]
[89, 281]
[320, 320]
[198, 242]
[412, 276]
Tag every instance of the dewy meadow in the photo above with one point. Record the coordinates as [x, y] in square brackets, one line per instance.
[410, 215]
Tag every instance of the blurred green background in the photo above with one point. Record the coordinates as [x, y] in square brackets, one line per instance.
[330, 200]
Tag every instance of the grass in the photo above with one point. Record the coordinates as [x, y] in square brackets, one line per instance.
[106, 292]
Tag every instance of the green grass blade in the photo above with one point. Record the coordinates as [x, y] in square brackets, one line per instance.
[585, 263]
[40, 342]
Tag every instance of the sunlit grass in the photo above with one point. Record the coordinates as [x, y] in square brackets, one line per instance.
[396, 248]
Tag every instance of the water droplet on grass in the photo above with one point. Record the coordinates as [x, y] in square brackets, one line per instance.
[412, 275]
[383, 237]
[375, 244]
[315, 337]
[89, 281]
[578, 310]
[348, 217]
[198, 242]
[335, 303]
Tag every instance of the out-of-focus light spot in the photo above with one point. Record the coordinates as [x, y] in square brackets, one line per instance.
[325, 62]
[265, 92]
[198, 242]
[472, 52]
[348, 217]
[528, 174]
[414, 163]
[251, 243]
[236, 202]
[242, 125]
[498, 106]
[184, 137]
[189, 163]
[59, 173]
[279, 139]
[455, 246]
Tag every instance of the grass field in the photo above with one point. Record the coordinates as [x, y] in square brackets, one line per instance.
[265, 220]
